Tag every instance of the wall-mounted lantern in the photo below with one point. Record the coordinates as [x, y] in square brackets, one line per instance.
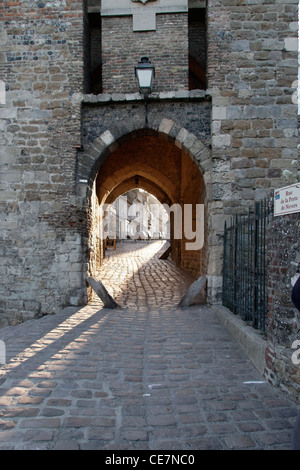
[145, 73]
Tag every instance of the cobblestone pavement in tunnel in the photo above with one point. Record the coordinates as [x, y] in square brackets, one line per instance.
[146, 376]
[136, 277]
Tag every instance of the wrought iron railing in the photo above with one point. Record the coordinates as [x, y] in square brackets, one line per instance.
[245, 265]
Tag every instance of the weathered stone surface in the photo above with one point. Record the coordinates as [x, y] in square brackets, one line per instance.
[196, 294]
[283, 256]
[192, 116]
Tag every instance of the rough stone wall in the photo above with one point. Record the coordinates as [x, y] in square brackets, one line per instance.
[41, 223]
[252, 68]
[167, 49]
[192, 115]
[283, 250]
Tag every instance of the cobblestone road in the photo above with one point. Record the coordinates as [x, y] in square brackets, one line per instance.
[146, 376]
[136, 277]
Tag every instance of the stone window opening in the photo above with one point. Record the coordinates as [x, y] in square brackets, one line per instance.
[93, 54]
[197, 48]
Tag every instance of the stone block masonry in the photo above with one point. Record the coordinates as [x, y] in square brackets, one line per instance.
[41, 65]
[252, 68]
[251, 74]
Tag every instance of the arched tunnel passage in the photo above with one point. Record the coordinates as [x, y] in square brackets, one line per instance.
[160, 167]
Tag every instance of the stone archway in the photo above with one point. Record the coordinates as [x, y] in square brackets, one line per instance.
[168, 167]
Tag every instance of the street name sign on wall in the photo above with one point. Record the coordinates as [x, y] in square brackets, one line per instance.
[287, 200]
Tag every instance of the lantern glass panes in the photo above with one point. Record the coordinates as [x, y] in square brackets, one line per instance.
[145, 72]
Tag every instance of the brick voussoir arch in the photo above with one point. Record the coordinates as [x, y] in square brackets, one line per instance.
[94, 156]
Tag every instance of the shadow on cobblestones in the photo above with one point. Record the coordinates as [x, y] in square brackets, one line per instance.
[147, 376]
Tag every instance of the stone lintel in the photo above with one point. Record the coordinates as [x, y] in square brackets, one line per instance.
[180, 95]
[128, 7]
[143, 12]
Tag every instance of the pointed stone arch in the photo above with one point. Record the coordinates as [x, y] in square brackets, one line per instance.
[142, 183]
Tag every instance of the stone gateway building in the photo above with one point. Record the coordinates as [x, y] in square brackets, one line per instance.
[219, 129]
